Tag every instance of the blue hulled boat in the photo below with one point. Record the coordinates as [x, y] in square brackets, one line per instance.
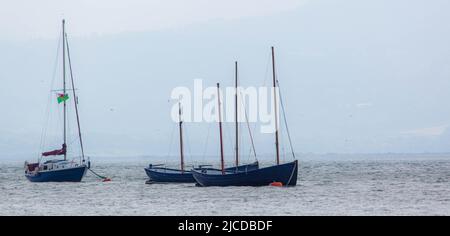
[58, 170]
[279, 174]
[160, 174]
[284, 173]
[168, 175]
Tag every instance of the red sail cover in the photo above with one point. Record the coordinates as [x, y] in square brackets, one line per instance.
[56, 152]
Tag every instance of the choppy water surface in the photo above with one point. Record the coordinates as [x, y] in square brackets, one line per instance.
[345, 187]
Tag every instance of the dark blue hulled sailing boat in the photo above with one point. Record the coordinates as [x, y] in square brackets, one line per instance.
[57, 170]
[156, 173]
[283, 174]
[159, 174]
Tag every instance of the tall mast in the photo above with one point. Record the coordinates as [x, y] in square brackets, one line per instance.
[236, 113]
[64, 81]
[275, 106]
[220, 129]
[181, 138]
[75, 99]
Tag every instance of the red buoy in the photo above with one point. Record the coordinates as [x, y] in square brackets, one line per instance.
[106, 180]
[276, 184]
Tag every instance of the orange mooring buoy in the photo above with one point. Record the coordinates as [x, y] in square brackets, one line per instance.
[276, 184]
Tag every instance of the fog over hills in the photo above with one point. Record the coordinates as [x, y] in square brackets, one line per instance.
[356, 77]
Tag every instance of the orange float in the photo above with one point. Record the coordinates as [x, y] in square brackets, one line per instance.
[276, 184]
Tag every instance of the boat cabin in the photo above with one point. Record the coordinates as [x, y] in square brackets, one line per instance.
[50, 165]
[57, 164]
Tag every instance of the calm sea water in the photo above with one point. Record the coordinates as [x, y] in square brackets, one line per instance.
[385, 186]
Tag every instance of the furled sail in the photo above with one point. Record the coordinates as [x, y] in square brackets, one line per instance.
[56, 152]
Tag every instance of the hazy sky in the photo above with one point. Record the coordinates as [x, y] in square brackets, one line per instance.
[89, 18]
[357, 76]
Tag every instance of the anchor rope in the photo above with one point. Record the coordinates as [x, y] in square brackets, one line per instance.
[100, 176]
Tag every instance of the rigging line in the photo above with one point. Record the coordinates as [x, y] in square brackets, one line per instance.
[45, 123]
[59, 120]
[187, 141]
[285, 120]
[64, 84]
[252, 129]
[282, 143]
[206, 141]
[170, 143]
[47, 115]
[244, 143]
[68, 123]
[45, 127]
[240, 137]
[242, 151]
[75, 99]
[249, 130]
[230, 139]
[249, 153]
[216, 148]
[72, 141]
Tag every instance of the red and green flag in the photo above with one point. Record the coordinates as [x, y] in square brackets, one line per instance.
[62, 97]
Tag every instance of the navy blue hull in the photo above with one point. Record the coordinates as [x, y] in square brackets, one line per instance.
[167, 175]
[62, 175]
[284, 173]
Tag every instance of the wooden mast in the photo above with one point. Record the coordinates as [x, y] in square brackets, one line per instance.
[181, 138]
[220, 129]
[275, 106]
[64, 84]
[236, 114]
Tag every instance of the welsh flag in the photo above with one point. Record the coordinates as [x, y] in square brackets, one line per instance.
[62, 97]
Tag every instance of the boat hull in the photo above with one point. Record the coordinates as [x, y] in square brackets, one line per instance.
[284, 173]
[167, 175]
[73, 174]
